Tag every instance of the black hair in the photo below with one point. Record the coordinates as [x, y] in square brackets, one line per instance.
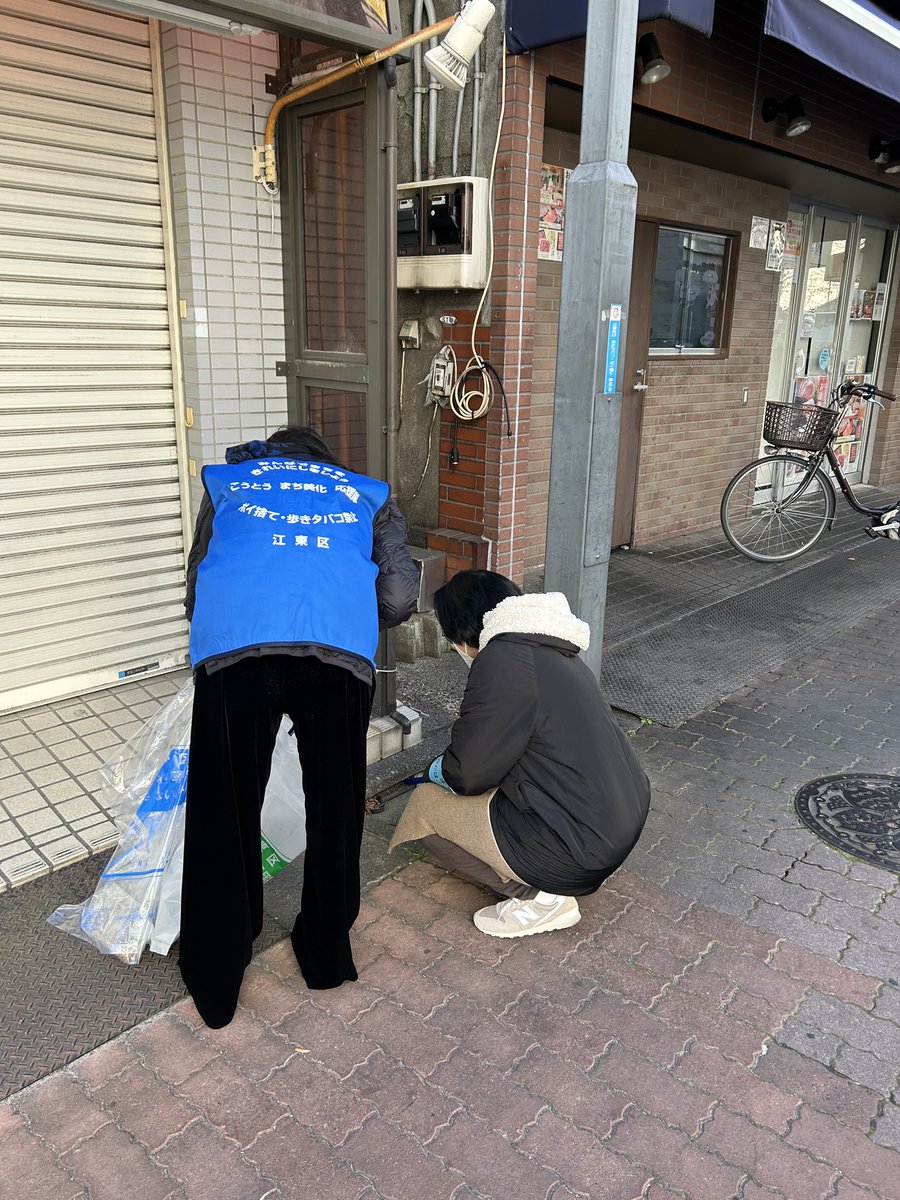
[461, 604]
[299, 441]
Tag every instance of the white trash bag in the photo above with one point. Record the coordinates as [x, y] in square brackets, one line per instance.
[137, 900]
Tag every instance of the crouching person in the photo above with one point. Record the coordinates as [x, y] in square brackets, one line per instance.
[539, 794]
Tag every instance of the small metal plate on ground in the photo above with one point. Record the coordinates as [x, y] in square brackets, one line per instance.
[856, 813]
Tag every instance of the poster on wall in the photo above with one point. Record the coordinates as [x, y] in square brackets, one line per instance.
[793, 237]
[775, 249]
[552, 212]
[759, 233]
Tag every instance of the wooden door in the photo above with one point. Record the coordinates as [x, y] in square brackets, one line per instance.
[635, 380]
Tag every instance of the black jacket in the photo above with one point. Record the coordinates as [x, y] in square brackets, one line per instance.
[572, 797]
[396, 587]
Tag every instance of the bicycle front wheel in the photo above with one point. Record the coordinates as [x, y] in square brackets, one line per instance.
[776, 508]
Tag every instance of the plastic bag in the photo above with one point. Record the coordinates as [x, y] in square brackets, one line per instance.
[119, 917]
[138, 897]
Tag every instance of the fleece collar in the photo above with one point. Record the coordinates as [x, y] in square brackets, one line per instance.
[544, 613]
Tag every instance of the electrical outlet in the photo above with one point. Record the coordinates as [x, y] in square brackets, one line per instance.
[409, 335]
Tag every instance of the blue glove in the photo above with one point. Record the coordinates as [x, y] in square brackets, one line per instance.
[436, 773]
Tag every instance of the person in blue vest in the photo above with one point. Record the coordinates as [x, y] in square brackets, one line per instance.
[296, 563]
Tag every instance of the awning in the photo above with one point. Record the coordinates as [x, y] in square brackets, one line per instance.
[855, 37]
[534, 23]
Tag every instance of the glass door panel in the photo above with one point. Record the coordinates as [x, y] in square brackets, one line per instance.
[819, 325]
[340, 417]
[862, 336]
[779, 382]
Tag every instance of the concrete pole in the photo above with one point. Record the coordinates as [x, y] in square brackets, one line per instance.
[601, 202]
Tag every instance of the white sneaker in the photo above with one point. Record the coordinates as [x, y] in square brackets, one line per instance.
[519, 918]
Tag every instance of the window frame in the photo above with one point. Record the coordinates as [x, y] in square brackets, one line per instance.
[726, 294]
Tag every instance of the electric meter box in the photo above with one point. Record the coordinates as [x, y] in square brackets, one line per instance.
[442, 233]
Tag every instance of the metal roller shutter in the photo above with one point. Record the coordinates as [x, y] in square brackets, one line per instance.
[91, 545]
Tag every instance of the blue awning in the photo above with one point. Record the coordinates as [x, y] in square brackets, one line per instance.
[855, 37]
[534, 23]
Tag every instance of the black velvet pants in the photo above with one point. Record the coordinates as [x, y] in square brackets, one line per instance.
[236, 715]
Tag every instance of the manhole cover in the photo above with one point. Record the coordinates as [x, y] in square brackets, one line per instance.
[859, 814]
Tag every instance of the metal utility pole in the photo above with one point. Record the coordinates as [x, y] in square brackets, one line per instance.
[601, 201]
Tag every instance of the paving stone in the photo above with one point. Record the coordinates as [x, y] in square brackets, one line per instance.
[490, 1163]
[479, 1032]
[598, 968]
[809, 1041]
[457, 930]
[401, 1097]
[656, 1090]
[210, 1166]
[817, 1085]
[838, 887]
[861, 1029]
[487, 1094]
[872, 929]
[349, 1003]
[887, 1128]
[144, 1106]
[413, 906]
[571, 1092]
[231, 1102]
[326, 1039]
[771, 1162]
[303, 1165]
[266, 996]
[399, 1168]
[111, 1164]
[871, 960]
[59, 1110]
[170, 1047]
[406, 942]
[29, 1163]
[775, 891]
[546, 1025]
[404, 1036]
[492, 989]
[805, 931]
[642, 1032]
[742, 1092]
[720, 896]
[96, 1068]
[679, 1163]
[867, 1069]
[420, 994]
[716, 1029]
[317, 1099]
[887, 1004]
[715, 926]
[839, 980]
[859, 1158]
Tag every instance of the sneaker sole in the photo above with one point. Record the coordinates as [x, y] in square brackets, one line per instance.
[563, 921]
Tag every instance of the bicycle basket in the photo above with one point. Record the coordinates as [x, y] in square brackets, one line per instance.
[799, 426]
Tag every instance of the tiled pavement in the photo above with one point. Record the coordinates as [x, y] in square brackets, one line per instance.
[724, 1022]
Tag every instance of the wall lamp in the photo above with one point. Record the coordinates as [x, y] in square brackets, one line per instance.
[792, 108]
[654, 67]
[886, 154]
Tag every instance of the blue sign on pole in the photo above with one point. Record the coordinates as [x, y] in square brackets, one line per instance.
[612, 349]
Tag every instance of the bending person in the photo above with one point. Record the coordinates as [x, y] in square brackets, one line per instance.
[539, 794]
[296, 562]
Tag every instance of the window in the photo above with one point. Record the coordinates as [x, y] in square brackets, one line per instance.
[689, 291]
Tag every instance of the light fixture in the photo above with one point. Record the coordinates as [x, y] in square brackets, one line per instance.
[886, 154]
[792, 108]
[449, 62]
[182, 14]
[653, 66]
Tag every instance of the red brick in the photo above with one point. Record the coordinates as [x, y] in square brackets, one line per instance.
[655, 1089]
[60, 1111]
[710, 1027]
[400, 1096]
[564, 987]
[315, 1098]
[458, 894]
[491, 1165]
[731, 932]
[111, 1164]
[144, 1106]
[399, 1167]
[544, 1023]
[647, 894]
[406, 942]
[420, 874]
[250, 1045]
[618, 976]
[488, 988]
[857, 1156]
[752, 976]
[627, 1023]
[570, 1091]
[755, 1012]
[170, 1047]
[678, 1162]
[406, 1037]
[269, 997]
[210, 1166]
[326, 1039]
[352, 1001]
[742, 1091]
[581, 1161]
[281, 959]
[416, 992]
[458, 931]
[846, 1190]
[101, 1064]
[766, 1156]
[819, 1087]
[231, 1102]
[487, 1094]
[408, 903]
[28, 1166]
[479, 1032]
[827, 976]
[637, 927]
[302, 1165]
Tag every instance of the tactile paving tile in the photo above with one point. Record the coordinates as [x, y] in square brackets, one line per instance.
[60, 998]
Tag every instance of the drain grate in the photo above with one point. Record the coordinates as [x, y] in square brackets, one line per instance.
[857, 813]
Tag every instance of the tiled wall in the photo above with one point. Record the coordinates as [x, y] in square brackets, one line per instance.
[228, 238]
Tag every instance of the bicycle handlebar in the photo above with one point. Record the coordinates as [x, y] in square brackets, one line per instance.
[867, 390]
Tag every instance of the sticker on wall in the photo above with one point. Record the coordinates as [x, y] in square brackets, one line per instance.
[759, 233]
[552, 210]
[613, 338]
[775, 249]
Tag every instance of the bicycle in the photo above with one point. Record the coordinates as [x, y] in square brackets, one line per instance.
[778, 506]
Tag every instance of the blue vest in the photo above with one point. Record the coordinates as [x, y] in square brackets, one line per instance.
[289, 560]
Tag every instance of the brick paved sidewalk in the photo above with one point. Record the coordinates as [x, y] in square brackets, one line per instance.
[724, 1023]
[632, 1056]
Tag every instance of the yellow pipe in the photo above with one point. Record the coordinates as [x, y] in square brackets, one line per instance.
[266, 170]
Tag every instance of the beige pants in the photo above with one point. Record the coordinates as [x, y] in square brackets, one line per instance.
[463, 820]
